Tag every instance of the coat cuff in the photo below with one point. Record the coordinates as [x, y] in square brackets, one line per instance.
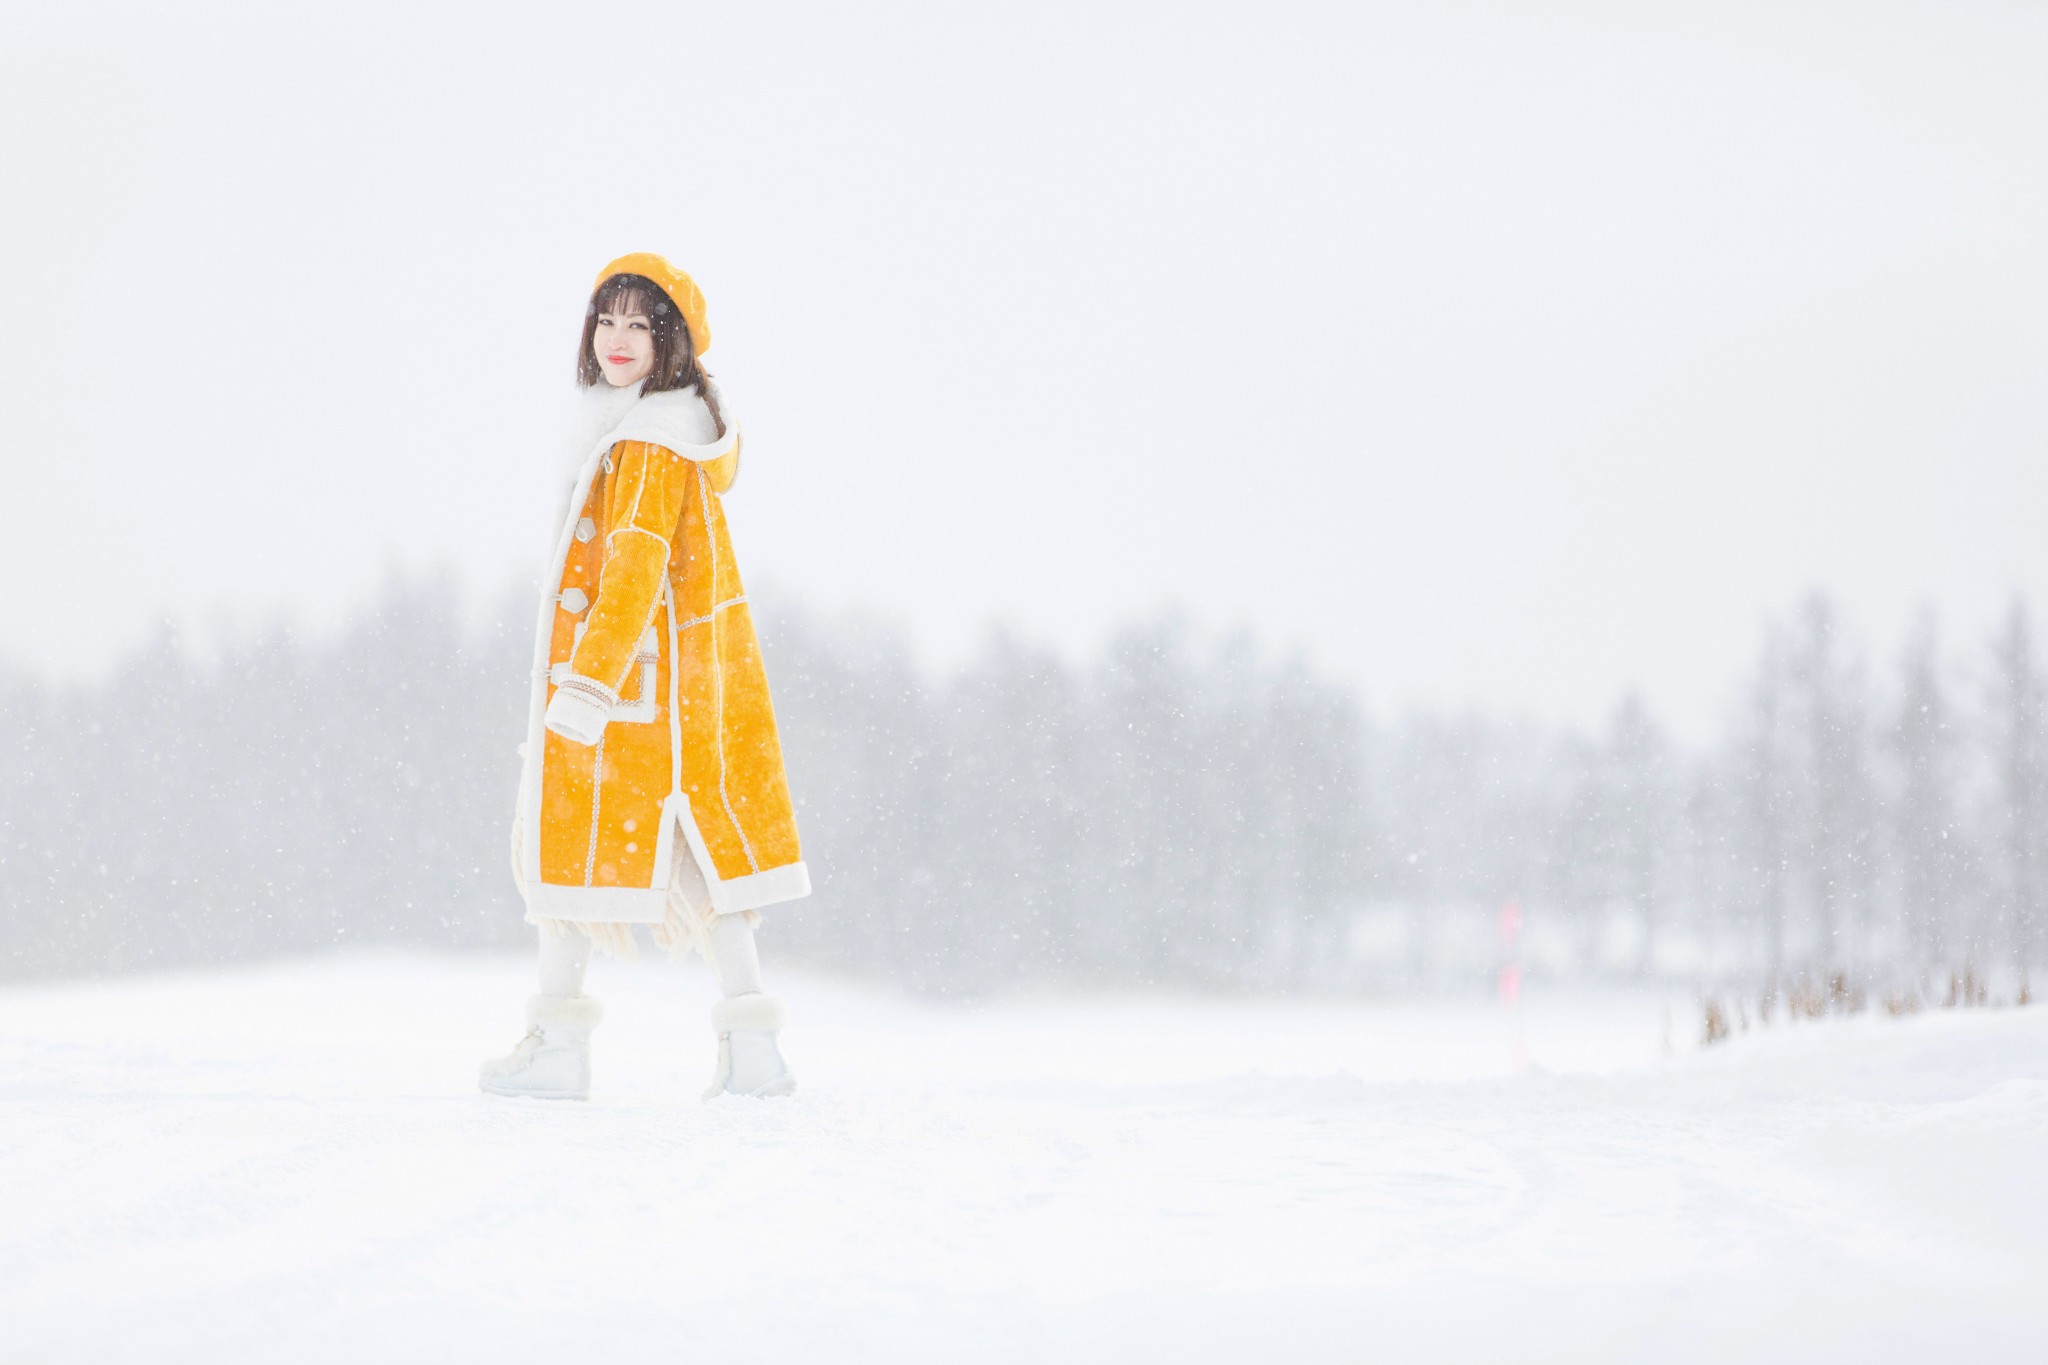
[579, 710]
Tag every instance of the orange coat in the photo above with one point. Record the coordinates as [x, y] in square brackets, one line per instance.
[647, 635]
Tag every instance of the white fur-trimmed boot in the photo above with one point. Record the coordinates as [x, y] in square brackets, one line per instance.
[749, 1059]
[552, 1062]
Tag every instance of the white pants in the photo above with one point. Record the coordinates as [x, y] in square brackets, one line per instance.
[729, 942]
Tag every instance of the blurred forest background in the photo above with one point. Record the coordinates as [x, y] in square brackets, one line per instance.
[1176, 810]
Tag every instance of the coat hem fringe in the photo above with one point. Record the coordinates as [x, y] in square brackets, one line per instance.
[681, 932]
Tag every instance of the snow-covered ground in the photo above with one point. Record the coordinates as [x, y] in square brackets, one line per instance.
[290, 1162]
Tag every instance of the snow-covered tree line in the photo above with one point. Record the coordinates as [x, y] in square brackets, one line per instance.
[1171, 810]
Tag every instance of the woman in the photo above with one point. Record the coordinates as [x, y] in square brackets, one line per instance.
[653, 791]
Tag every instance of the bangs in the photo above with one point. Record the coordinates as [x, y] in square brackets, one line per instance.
[626, 294]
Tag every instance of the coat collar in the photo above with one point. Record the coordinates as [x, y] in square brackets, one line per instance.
[602, 406]
[678, 419]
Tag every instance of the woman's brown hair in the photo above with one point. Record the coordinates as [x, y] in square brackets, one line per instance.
[675, 352]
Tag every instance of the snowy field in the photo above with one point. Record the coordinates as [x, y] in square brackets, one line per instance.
[290, 1162]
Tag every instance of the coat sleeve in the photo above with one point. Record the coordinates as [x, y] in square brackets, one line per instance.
[646, 502]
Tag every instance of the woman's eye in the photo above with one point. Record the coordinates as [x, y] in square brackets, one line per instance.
[638, 326]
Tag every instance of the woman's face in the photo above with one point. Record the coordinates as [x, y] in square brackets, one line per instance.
[623, 343]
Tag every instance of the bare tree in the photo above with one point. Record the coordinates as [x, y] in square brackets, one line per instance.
[2016, 728]
[1640, 761]
[1834, 833]
[1924, 743]
[1762, 767]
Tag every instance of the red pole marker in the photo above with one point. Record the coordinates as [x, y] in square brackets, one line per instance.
[1511, 977]
[1511, 951]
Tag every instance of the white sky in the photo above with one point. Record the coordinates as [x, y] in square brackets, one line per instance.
[1497, 359]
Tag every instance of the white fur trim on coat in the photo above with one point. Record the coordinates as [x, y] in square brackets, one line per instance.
[755, 1010]
[576, 714]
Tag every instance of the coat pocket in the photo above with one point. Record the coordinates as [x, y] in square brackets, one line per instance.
[637, 702]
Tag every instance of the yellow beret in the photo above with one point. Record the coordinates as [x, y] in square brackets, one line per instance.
[682, 291]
